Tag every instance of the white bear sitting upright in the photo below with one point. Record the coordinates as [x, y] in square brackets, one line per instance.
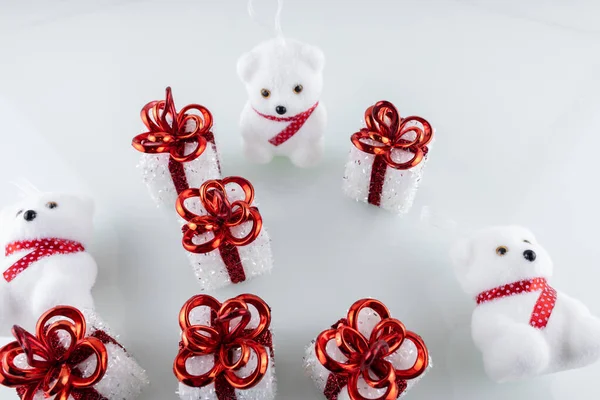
[283, 115]
[45, 264]
[521, 324]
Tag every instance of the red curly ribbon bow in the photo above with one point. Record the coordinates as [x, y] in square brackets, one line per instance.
[366, 356]
[168, 132]
[52, 367]
[386, 132]
[222, 215]
[229, 340]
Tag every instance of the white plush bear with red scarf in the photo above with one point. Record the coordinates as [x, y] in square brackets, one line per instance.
[45, 237]
[521, 324]
[283, 115]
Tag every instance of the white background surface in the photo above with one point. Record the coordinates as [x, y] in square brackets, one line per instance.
[512, 89]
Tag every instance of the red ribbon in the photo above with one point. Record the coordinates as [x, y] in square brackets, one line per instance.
[52, 368]
[38, 249]
[222, 215]
[297, 122]
[543, 306]
[366, 356]
[223, 339]
[168, 133]
[385, 132]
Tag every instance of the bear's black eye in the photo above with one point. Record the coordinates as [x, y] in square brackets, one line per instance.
[298, 89]
[265, 93]
[51, 204]
[19, 212]
[501, 250]
[527, 241]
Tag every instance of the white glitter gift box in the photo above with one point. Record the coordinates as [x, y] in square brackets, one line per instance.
[385, 164]
[179, 149]
[223, 233]
[72, 357]
[367, 355]
[226, 350]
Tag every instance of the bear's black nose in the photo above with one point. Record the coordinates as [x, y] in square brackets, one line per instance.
[529, 255]
[29, 215]
[280, 110]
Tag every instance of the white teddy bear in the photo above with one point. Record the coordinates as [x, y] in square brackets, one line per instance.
[521, 324]
[283, 115]
[45, 237]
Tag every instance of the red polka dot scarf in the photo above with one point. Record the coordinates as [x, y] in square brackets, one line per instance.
[37, 249]
[297, 121]
[543, 306]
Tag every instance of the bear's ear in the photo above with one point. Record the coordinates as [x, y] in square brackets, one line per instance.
[313, 56]
[247, 66]
[460, 254]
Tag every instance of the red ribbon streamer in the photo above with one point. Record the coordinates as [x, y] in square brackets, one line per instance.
[223, 389]
[222, 339]
[335, 384]
[168, 133]
[366, 356]
[378, 171]
[385, 132]
[543, 306]
[38, 249]
[52, 368]
[297, 122]
[222, 215]
[231, 257]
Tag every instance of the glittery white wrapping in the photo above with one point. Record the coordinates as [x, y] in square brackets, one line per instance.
[124, 378]
[265, 390]
[256, 257]
[399, 186]
[156, 174]
[403, 358]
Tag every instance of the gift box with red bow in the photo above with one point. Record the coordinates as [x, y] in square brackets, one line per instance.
[223, 234]
[70, 356]
[386, 160]
[179, 148]
[367, 355]
[226, 350]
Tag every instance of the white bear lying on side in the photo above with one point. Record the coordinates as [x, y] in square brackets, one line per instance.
[523, 327]
[44, 237]
[283, 115]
